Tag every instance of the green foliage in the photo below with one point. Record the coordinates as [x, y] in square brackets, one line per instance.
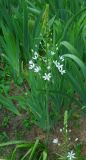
[11, 49]
[33, 150]
[62, 26]
[6, 101]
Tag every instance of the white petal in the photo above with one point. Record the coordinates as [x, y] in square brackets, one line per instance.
[55, 141]
[76, 139]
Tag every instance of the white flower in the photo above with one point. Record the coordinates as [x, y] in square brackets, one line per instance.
[55, 141]
[47, 76]
[58, 65]
[52, 53]
[61, 58]
[71, 155]
[31, 64]
[61, 130]
[55, 62]
[59, 144]
[37, 69]
[35, 55]
[69, 130]
[76, 139]
[62, 72]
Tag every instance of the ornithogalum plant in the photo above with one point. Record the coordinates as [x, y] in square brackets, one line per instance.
[43, 71]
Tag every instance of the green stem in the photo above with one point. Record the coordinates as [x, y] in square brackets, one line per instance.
[47, 113]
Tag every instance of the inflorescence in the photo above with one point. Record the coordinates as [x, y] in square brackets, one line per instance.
[33, 65]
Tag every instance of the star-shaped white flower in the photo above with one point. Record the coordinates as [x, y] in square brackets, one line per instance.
[30, 62]
[62, 72]
[47, 76]
[58, 65]
[37, 69]
[71, 155]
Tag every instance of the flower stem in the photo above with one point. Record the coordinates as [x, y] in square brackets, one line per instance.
[47, 113]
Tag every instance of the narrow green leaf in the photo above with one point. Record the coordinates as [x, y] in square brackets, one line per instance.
[70, 48]
[34, 149]
[77, 61]
[7, 103]
[12, 143]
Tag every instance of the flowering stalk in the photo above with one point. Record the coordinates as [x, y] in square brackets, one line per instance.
[66, 131]
[47, 111]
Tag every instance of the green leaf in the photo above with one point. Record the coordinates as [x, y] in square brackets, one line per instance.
[7, 103]
[12, 143]
[25, 31]
[70, 48]
[44, 155]
[34, 149]
[79, 62]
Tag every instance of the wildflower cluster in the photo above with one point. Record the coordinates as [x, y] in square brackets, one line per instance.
[32, 65]
[59, 66]
[47, 75]
[70, 155]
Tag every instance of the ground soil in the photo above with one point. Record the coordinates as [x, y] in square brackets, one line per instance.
[16, 130]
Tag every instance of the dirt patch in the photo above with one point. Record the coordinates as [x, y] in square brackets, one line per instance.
[15, 130]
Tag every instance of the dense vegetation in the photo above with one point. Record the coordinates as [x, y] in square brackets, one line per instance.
[43, 72]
